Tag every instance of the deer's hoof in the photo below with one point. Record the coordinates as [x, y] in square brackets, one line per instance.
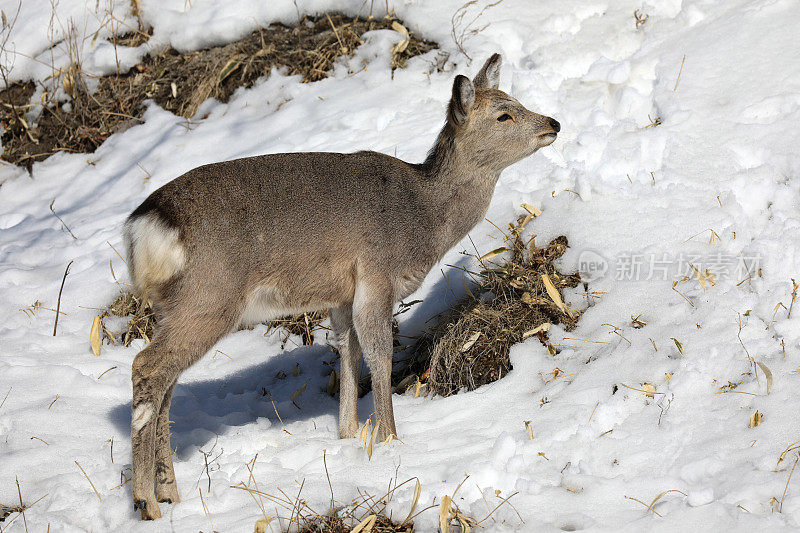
[150, 511]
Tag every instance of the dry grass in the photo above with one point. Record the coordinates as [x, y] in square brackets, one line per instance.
[178, 82]
[142, 322]
[366, 513]
[303, 325]
[470, 345]
[8, 510]
[335, 524]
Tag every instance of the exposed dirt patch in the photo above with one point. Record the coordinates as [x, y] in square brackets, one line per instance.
[179, 83]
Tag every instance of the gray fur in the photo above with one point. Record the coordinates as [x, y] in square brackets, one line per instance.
[266, 236]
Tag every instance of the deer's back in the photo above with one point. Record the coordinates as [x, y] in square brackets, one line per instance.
[300, 222]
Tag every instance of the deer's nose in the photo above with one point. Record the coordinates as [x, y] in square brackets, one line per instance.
[555, 125]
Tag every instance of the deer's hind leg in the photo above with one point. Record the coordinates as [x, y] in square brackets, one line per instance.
[372, 318]
[166, 486]
[350, 355]
[188, 329]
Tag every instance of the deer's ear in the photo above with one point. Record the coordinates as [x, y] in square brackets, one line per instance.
[489, 75]
[462, 101]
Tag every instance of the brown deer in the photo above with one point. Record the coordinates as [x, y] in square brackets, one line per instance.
[262, 237]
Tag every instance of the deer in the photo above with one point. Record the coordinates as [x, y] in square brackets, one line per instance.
[250, 240]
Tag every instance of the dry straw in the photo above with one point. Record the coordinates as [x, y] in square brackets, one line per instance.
[515, 299]
[178, 82]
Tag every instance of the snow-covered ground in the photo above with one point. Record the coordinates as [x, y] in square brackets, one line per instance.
[716, 184]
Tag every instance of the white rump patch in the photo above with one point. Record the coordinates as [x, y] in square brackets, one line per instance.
[141, 416]
[155, 250]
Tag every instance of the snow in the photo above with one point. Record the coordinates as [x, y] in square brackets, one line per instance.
[716, 184]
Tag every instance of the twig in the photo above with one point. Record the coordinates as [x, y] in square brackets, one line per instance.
[325, 462]
[641, 390]
[89, 480]
[780, 507]
[457, 24]
[587, 340]
[679, 74]
[115, 250]
[739, 336]
[640, 501]
[593, 410]
[480, 490]
[466, 477]
[296, 505]
[206, 455]
[58, 305]
[683, 296]
[505, 235]
[735, 391]
[205, 508]
[6, 396]
[278, 414]
[22, 506]
[794, 297]
[448, 283]
[61, 220]
[336, 33]
[497, 507]
[250, 467]
[104, 373]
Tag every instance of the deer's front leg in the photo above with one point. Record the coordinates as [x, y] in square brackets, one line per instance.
[350, 355]
[372, 316]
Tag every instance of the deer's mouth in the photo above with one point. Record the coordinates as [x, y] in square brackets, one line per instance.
[547, 139]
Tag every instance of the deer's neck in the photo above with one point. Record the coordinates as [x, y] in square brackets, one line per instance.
[458, 190]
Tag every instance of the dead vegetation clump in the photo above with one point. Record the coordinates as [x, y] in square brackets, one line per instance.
[521, 298]
[332, 523]
[303, 325]
[8, 510]
[366, 513]
[178, 82]
[141, 323]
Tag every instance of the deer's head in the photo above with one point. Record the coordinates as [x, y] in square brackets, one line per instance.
[492, 129]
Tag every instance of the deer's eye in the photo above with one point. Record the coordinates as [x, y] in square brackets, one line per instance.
[504, 117]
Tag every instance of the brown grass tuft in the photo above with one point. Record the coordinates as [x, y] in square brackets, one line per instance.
[367, 513]
[142, 322]
[179, 82]
[8, 510]
[470, 345]
[303, 325]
